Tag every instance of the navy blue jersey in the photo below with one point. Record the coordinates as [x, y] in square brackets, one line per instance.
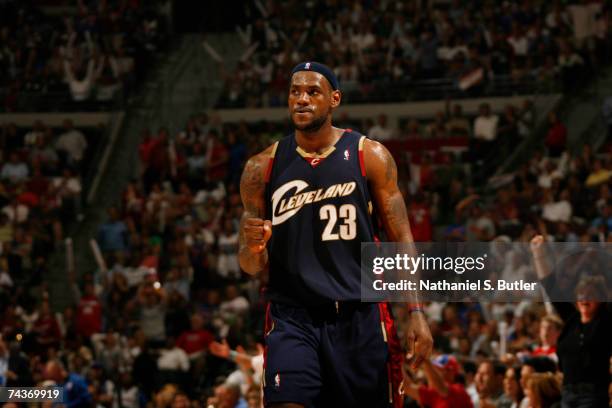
[320, 213]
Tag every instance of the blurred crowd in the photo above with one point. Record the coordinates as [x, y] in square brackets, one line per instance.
[40, 194]
[73, 61]
[384, 51]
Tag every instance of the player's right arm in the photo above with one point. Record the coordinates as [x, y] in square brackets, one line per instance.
[254, 230]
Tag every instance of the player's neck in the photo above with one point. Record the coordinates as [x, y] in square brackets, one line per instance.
[319, 141]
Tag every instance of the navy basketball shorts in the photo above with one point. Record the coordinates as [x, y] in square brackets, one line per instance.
[346, 356]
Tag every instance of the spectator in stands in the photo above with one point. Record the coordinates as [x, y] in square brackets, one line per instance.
[101, 389]
[67, 189]
[180, 400]
[151, 306]
[76, 393]
[217, 157]
[556, 138]
[227, 396]
[111, 352]
[489, 383]
[457, 124]
[599, 174]
[525, 118]
[507, 130]
[585, 343]
[89, 312]
[46, 329]
[16, 212]
[571, 65]
[6, 229]
[81, 78]
[485, 131]
[381, 131]
[37, 133]
[72, 143]
[195, 341]
[250, 365]
[43, 156]
[513, 393]
[413, 130]
[582, 18]
[196, 164]
[113, 234]
[157, 163]
[127, 394]
[442, 389]
[14, 170]
[18, 371]
[427, 54]
[550, 329]
[234, 305]
[236, 157]
[172, 363]
[544, 391]
[555, 211]
[479, 225]
[227, 262]
[438, 128]
[602, 224]
[419, 214]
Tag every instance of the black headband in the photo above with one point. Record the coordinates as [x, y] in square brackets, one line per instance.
[321, 69]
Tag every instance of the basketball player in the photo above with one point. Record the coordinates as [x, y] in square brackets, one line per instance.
[309, 202]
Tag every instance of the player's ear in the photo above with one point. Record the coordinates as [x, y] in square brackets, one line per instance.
[336, 98]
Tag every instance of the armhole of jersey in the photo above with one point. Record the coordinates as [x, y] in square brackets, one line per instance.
[270, 163]
[361, 160]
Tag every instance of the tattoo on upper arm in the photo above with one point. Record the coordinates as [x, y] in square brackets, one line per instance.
[391, 170]
[390, 200]
[396, 216]
[251, 188]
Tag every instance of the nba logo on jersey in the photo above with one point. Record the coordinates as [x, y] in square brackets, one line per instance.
[347, 155]
[277, 380]
[307, 66]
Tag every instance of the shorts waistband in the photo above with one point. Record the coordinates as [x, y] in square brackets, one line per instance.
[337, 307]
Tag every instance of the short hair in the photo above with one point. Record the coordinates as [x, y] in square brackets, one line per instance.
[541, 364]
[554, 320]
[469, 367]
[233, 388]
[546, 386]
[499, 368]
[596, 285]
[57, 362]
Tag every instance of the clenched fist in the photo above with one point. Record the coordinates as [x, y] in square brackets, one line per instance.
[257, 232]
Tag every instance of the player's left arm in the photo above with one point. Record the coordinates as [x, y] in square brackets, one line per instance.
[381, 172]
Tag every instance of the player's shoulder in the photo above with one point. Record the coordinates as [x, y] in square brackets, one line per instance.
[265, 154]
[256, 166]
[376, 154]
[373, 146]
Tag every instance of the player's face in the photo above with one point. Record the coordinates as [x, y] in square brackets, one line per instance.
[311, 101]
